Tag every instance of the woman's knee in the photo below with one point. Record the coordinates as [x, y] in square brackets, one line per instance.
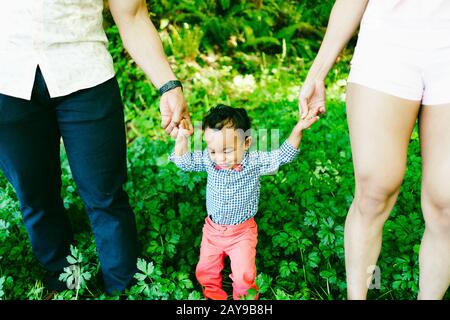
[374, 198]
[436, 208]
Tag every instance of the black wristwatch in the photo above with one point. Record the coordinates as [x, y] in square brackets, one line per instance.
[172, 84]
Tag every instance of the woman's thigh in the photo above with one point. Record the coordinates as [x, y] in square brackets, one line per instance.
[380, 127]
[434, 123]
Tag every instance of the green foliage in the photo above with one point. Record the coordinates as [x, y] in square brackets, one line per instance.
[76, 274]
[4, 283]
[152, 284]
[252, 54]
[249, 26]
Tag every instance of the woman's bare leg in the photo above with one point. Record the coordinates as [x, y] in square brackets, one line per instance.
[380, 127]
[434, 257]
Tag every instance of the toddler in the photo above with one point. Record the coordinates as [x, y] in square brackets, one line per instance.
[232, 193]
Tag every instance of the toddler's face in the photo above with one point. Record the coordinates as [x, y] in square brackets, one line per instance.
[226, 147]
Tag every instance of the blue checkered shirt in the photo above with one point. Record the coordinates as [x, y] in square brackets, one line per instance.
[232, 196]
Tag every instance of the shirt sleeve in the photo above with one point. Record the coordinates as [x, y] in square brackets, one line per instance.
[190, 161]
[269, 162]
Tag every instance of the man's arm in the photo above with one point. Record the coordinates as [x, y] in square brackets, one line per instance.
[141, 39]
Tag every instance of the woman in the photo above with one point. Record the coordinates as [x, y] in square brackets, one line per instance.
[400, 72]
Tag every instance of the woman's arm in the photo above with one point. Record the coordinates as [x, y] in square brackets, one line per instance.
[141, 39]
[344, 19]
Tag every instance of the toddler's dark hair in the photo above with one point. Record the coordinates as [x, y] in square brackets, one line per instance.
[223, 116]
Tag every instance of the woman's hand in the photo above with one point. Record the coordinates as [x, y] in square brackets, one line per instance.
[296, 135]
[312, 98]
[306, 123]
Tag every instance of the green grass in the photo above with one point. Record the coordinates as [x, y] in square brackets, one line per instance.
[300, 253]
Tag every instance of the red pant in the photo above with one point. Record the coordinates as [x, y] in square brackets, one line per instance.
[239, 243]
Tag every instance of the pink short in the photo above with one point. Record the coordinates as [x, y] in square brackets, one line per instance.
[239, 243]
[410, 60]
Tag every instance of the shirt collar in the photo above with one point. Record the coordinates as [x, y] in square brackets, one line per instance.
[237, 167]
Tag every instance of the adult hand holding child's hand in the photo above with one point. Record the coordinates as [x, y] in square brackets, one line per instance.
[302, 124]
[185, 129]
[174, 109]
[312, 98]
[308, 121]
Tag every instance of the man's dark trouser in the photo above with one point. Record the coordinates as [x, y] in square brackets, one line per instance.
[91, 123]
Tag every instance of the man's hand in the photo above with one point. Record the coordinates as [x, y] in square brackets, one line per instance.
[174, 109]
[185, 129]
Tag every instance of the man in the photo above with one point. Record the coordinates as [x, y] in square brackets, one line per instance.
[57, 80]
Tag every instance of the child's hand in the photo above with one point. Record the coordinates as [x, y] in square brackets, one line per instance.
[306, 123]
[185, 129]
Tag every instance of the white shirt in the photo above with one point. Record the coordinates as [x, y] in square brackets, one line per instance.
[64, 37]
